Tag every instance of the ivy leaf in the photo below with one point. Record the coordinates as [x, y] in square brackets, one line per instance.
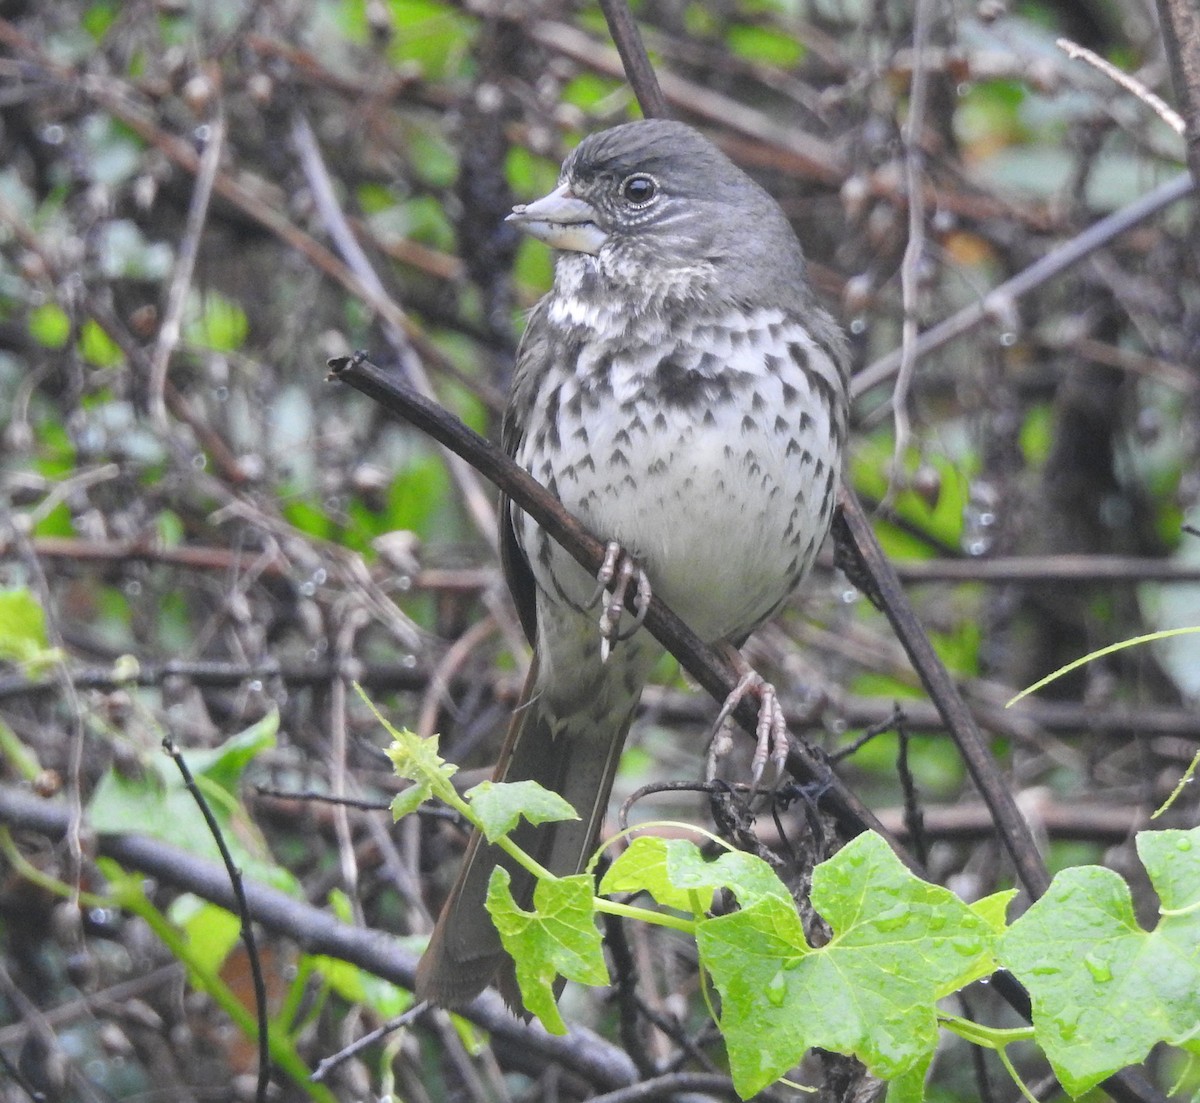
[558, 937]
[498, 805]
[673, 870]
[899, 945]
[993, 909]
[1104, 990]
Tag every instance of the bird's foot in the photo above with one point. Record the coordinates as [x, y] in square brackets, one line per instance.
[771, 736]
[618, 570]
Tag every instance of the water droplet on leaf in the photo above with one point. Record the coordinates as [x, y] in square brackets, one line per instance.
[1099, 967]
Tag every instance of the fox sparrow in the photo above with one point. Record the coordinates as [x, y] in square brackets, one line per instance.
[683, 394]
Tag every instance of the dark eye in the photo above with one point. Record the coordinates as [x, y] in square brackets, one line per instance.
[639, 189]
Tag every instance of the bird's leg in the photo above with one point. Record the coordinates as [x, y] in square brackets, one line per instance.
[613, 579]
[771, 732]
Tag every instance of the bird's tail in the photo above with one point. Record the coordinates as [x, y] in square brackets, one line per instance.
[574, 755]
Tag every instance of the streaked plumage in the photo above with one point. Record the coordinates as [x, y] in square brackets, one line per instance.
[682, 393]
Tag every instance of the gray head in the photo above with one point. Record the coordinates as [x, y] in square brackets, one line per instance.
[661, 209]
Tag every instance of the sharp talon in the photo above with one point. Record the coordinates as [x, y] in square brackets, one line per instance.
[610, 618]
[720, 744]
[767, 711]
[608, 569]
[771, 738]
[614, 577]
[641, 604]
[779, 741]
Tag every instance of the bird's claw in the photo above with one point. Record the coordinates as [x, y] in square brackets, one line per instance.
[771, 737]
[613, 579]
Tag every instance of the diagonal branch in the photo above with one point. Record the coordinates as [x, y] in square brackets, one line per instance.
[704, 663]
[1013, 829]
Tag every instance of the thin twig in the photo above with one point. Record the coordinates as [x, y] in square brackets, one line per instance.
[321, 184]
[38, 1027]
[1130, 83]
[914, 250]
[638, 70]
[243, 912]
[328, 1064]
[672, 1085]
[185, 267]
[1180, 24]
[352, 621]
[1000, 302]
[448, 666]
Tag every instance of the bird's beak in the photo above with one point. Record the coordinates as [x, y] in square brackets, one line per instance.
[561, 220]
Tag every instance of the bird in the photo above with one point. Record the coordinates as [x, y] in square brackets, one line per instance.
[683, 394]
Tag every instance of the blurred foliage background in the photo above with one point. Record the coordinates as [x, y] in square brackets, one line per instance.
[202, 202]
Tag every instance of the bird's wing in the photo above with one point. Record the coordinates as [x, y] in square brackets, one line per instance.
[533, 360]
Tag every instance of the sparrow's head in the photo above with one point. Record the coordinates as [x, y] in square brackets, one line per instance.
[661, 209]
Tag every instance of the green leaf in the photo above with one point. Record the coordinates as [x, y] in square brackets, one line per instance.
[216, 323]
[97, 347]
[424, 219]
[409, 800]
[50, 326]
[22, 627]
[586, 90]
[498, 805]
[432, 157]
[1104, 990]
[558, 937]
[1037, 435]
[678, 875]
[993, 909]
[534, 266]
[941, 520]
[434, 35]
[416, 492]
[764, 44]
[909, 1086]
[211, 931]
[354, 984]
[155, 802]
[899, 945]
[17, 757]
[224, 765]
[417, 760]
[97, 18]
[308, 518]
[528, 174]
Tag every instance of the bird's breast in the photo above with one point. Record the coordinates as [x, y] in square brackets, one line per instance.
[708, 449]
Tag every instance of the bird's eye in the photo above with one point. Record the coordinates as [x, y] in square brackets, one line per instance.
[639, 189]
